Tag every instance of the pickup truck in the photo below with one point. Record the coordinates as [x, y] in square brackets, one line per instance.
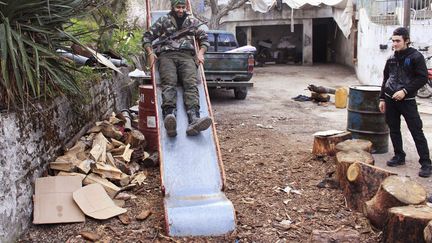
[226, 69]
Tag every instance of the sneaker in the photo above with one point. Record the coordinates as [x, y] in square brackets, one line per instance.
[170, 124]
[425, 171]
[396, 161]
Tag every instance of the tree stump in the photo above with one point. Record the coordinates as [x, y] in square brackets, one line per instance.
[325, 145]
[394, 191]
[339, 235]
[407, 224]
[346, 158]
[363, 182]
[354, 144]
[428, 232]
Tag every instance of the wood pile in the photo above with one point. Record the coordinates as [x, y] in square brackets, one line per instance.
[392, 203]
[111, 153]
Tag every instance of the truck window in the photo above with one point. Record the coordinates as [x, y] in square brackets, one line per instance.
[211, 39]
[227, 40]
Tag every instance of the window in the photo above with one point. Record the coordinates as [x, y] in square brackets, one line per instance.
[226, 40]
[211, 39]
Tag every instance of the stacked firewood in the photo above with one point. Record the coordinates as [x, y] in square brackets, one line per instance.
[111, 153]
[392, 203]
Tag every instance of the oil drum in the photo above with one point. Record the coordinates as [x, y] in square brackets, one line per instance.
[147, 116]
[365, 121]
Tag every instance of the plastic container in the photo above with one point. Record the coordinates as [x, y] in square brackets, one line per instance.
[341, 97]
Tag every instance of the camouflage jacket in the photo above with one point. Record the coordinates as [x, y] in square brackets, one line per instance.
[166, 25]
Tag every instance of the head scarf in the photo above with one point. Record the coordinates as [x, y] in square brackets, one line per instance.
[175, 2]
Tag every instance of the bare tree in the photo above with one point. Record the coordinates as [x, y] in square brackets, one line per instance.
[217, 12]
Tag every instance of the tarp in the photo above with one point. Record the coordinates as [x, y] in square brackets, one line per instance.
[342, 9]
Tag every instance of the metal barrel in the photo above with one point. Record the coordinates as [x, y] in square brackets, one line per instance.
[365, 121]
[147, 123]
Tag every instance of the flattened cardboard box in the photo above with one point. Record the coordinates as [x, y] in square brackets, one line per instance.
[95, 202]
[53, 202]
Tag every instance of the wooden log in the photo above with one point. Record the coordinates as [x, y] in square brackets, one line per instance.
[109, 187]
[85, 166]
[321, 89]
[354, 144]
[152, 160]
[339, 235]
[63, 165]
[428, 232]
[107, 171]
[98, 151]
[325, 145]
[135, 138]
[126, 156]
[116, 143]
[111, 160]
[118, 151]
[122, 166]
[62, 173]
[71, 159]
[363, 183]
[110, 131]
[407, 224]
[346, 158]
[394, 191]
[320, 97]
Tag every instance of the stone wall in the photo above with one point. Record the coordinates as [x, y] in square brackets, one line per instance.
[29, 140]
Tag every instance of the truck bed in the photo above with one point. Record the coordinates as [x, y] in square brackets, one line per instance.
[222, 66]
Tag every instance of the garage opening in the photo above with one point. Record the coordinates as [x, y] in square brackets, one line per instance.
[276, 43]
[324, 40]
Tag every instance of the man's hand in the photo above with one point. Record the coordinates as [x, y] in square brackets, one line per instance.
[382, 106]
[152, 59]
[399, 95]
[200, 56]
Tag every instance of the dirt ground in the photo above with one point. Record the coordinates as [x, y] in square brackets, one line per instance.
[266, 143]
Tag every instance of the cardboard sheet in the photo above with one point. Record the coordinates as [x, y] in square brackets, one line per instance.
[53, 202]
[95, 202]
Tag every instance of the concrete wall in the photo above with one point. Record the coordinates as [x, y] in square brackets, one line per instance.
[30, 140]
[248, 17]
[344, 48]
[371, 59]
[307, 42]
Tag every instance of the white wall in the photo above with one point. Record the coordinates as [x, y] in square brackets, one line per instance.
[371, 59]
[344, 48]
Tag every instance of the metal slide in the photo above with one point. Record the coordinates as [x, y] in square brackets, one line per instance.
[192, 177]
[191, 170]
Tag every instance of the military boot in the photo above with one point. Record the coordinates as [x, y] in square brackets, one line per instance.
[170, 122]
[197, 124]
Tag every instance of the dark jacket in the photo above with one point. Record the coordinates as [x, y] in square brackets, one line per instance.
[167, 25]
[405, 70]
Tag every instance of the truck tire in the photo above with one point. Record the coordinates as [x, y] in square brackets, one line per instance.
[240, 93]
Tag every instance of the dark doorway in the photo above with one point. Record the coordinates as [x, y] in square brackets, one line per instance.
[323, 40]
[241, 36]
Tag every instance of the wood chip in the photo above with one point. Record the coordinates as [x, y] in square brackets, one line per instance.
[124, 218]
[90, 236]
[143, 215]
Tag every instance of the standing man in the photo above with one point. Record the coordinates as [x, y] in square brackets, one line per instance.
[405, 72]
[178, 62]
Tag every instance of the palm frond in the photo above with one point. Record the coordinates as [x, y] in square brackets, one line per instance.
[30, 33]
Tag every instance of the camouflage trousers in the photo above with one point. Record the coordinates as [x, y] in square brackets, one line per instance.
[179, 67]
